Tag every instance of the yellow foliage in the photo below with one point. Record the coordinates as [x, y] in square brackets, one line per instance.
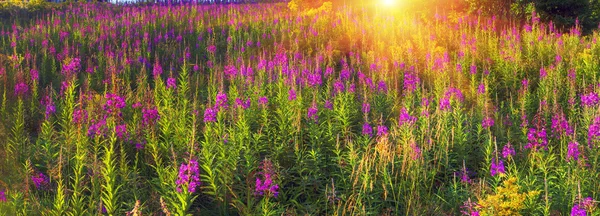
[326, 7]
[293, 5]
[507, 200]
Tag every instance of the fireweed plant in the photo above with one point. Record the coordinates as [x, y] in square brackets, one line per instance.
[192, 109]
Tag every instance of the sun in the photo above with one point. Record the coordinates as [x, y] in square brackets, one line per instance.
[388, 2]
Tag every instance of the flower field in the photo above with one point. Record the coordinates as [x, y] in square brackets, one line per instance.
[267, 109]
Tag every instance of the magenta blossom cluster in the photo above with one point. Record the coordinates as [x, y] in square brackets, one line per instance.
[80, 116]
[594, 131]
[451, 93]
[367, 130]
[536, 139]
[39, 180]
[580, 208]
[469, 208]
[121, 131]
[481, 89]
[48, 105]
[382, 130]
[157, 70]
[21, 89]
[560, 125]
[313, 113]
[264, 101]
[573, 151]
[2, 196]
[114, 103]
[171, 83]
[508, 151]
[590, 99]
[497, 167]
[411, 82]
[189, 176]
[150, 116]
[72, 67]
[487, 122]
[366, 108]
[35, 75]
[97, 127]
[406, 119]
[221, 101]
[244, 104]
[210, 114]
[266, 186]
[291, 95]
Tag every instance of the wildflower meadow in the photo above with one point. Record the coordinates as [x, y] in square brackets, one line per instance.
[279, 109]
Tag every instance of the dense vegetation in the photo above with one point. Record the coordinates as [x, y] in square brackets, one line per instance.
[270, 109]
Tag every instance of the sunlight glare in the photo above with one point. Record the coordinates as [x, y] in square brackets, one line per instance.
[388, 2]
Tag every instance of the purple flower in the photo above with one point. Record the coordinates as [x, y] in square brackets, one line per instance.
[537, 138]
[481, 89]
[291, 95]
[265, 186]
[543, 73]
[445, 104]
[150, 116]
[464, 175]
[573, 151]
[196, 68]
[497, 167]
[312, 113]
[338, 87]
[469, 208]
[79, 116]
[416, 151]
[39, 180]
[451, 93]
[21, 89]
[473, 69]
[121, 131]
[560, 125]
[48, 105]
[406, 118]
[210, 114]
[589, 100]
[157, 70]
[114, 103]
[382, 130]
[212, 49]
[525, 83]
[579, 209]
[221, 101]
[367, 130]
[189, 176]
[96, 128]
[328, 105]
[382, 87]
[487, 122]
[171, 83]
[411, 82]
[366, 108]
[241, 103]
[2, 196]
[508, 151]
[230, 71]
[314, 80]
[594, 131]
[263, 101]
[72, 67]
[34, 75]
